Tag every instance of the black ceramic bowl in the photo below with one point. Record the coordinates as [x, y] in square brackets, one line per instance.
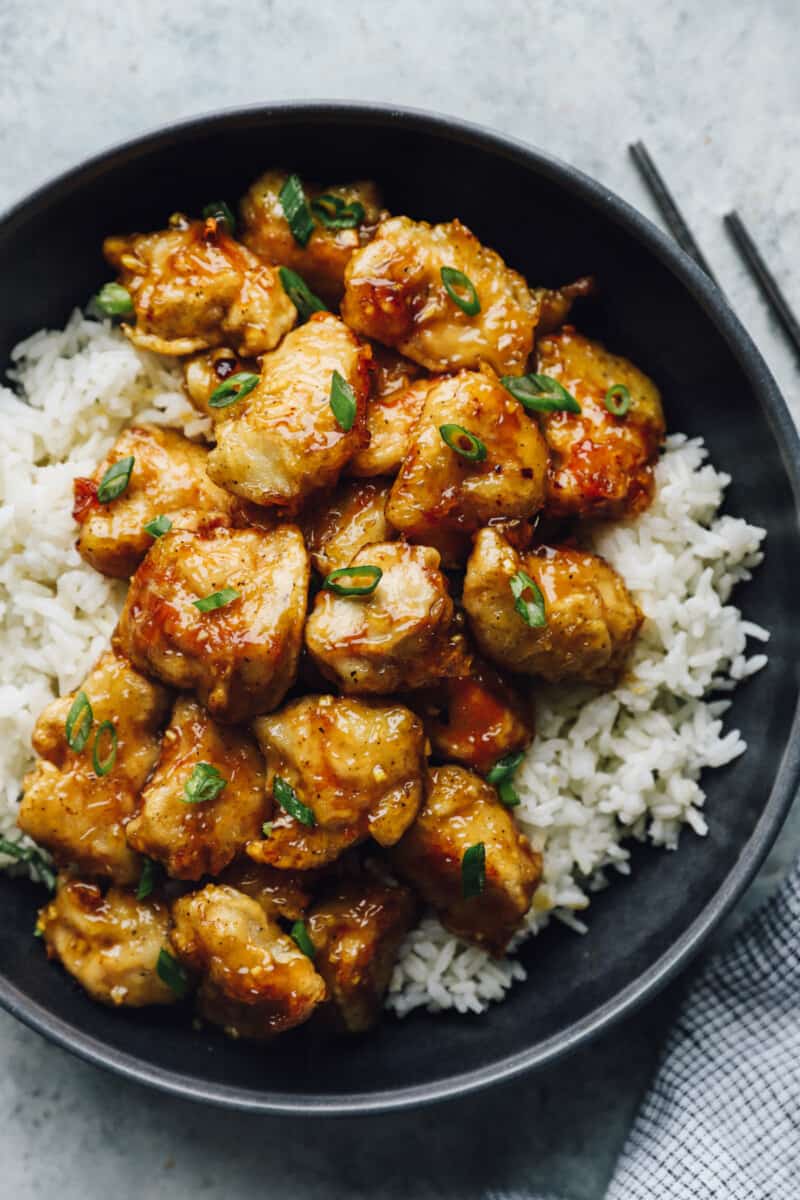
[552, 223]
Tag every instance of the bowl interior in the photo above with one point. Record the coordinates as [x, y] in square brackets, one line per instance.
[552, 226]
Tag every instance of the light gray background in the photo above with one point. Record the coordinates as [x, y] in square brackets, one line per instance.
[713, 88]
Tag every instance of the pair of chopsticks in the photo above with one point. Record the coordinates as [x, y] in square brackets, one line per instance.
[748, 251]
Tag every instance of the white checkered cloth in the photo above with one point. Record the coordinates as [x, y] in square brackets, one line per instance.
[722, 1118]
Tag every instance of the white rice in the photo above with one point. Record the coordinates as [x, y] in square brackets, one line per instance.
[603, 768]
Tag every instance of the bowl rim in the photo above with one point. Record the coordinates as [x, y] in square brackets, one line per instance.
[777, 805]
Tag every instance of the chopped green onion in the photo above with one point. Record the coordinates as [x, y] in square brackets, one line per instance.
[540, 393]
[343, 402]
[335, 213]
[452, 280]
[38, 932]
[463, 442]
[115, 480]
[473, 871]
[266, 829]
[103, 765]
[296, 210]
[532, 611]
[222, 214]
[302, 940]
[113, 300]
[205, 783]
[158, 527]
[300, 294]
[234, 388]
[147, 879]
[507, 794]
[80, 719]
[216, 600]
[504, 768]
[33, 856]
[170, 972]
[618, 400]
[373, 574]
[288, 799]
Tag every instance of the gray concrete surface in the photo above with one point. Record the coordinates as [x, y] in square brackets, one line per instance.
[713, 88]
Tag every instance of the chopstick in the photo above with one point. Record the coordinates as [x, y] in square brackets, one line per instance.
[669, 210]
[764, 278]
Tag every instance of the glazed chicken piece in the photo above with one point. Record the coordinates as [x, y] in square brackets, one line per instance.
[70, 809]
[591, 620]
[255, 981]
[110, 943]
[556, 303]
[286, 894]
[239, 651]
[394, 293]
[356, 932]
[401, 636]
[462, 811]
[493, 465]
[203, 373]
[356, 770]
[601, 464]
[193, 287]
[283, 441]
[475, 719]
[398, 394]
[187, 822]
[322, 261]
[168, 479]
[345, 521]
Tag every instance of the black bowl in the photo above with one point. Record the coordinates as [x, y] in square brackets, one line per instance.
[553, 224]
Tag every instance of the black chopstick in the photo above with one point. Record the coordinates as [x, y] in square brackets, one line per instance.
[763, 277]
[667, 206]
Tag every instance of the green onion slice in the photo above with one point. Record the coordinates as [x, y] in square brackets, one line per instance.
[540, 393]
[222, 214]
[301, 938]
[80, 719]
[461, 290]
[296, 210]
[266, 829]
[147, 879]
[300, 294]
[233, 389]
[216, 600]
[103, 765]
[205, 783]
[463, 442]
[473, 871]
[504, 768]
[372, 574]
[32, 855]
[528, 599]
[618, 400]
[343, 402]
[170, 972]
[335, 213]
[158, 527]
[115, 480]
[288, 799]
[113, 300]
[507, 794]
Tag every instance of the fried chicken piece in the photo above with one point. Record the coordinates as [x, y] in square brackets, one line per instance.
[345, 521]
[601, 465]
[556, 303]
[591, 620]
[286, 894]
[494, 468]
[394, 292]
[401, 636]
[283, 441]
[168, 479]
[322, 261]
[203, 373]
[255, 981]
[462, 811]
[398, 394]
[70, 809]
[194, 838]
[110, 943]
[241, 657]
[356, 769]
[357, 931]
[193, 287]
